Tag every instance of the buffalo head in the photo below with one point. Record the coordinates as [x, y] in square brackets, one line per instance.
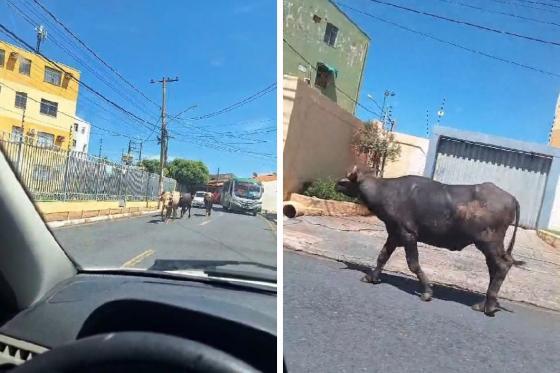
[349, 185]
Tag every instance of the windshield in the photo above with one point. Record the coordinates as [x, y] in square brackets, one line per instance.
[248, 190]
[81, 123]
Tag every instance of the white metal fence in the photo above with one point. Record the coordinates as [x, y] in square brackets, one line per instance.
[50, 173]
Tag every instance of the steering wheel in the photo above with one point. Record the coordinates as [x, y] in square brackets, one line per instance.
[134, 352]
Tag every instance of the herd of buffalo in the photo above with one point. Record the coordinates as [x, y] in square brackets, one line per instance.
[418, 209]
[172, 201]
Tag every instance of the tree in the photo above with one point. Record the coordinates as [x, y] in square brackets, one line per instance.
[375, 143]
[151, 165]
[188, 172]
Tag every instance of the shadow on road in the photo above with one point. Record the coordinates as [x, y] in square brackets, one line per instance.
[155, 221]
[412, 286]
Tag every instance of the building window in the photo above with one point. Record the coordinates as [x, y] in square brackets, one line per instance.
[49, 108]
[53, 76]
[2, 57]
[330, 34]
[45, 139]
[84, 149]
[74, 144]
[17, 133]
[21, 100]
[324, 76]
[25, 66]
[75, 127]
[83, 130]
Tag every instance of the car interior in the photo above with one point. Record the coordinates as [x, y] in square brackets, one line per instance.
[58, 317]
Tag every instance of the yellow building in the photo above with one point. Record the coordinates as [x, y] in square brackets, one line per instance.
[47, 96]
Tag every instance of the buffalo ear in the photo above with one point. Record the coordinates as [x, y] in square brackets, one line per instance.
[353, 175]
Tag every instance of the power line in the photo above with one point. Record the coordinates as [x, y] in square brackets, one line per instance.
[115, 133]
[337, 88]
[513, 15]
[466, 23]
[6, 31]
[246, 100]
[456, 45]
[525, 6]
[532, 2]
[79, 60]
[93, 52]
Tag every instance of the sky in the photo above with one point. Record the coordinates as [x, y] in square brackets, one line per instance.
[221, 51]
[481, 94]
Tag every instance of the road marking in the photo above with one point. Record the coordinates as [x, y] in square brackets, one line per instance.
[138, 258]
[205, 222]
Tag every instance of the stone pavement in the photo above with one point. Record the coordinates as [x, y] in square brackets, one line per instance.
[358, 240]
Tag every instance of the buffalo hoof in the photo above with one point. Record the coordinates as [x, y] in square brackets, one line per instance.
[487, 310]
[370, 280]
[426, 297]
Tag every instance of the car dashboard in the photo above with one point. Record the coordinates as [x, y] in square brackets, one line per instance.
[235, 319]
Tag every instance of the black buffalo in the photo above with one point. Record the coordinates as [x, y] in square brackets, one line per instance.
[417, 209]
[185, 202]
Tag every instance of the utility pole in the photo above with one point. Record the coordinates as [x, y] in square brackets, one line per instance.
[21, 140]
[100, 145]
[383, 112]
[441, 113]
[164, 136]
[41, 36]
[218, 176]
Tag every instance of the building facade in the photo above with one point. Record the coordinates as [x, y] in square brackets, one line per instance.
[326, 48]
[37, 98]
[80, 136]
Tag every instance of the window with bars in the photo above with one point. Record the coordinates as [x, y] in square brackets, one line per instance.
[25, 66]
[49, 107]
[53, 76]
[45, 139]
[2, 57]
[21, 100]
[17, 133]
[331, 33]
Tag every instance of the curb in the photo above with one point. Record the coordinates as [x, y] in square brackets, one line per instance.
[64, 223]
[368, 264]
[550, 238]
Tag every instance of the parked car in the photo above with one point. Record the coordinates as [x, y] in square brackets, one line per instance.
[198, 200]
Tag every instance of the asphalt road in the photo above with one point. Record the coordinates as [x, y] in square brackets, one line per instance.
[335, 323]
[139, 241]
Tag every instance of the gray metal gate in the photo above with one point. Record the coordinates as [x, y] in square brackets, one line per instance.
[520, 173]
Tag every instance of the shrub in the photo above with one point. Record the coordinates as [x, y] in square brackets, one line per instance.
[325, 189]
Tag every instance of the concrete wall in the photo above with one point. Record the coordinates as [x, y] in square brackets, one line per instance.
[306, 35]
[317, 136]
[413, 156]
[269, 196]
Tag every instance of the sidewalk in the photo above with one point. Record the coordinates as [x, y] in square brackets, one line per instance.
[359, 239]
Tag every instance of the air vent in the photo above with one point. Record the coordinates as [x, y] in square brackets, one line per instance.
[13, 351]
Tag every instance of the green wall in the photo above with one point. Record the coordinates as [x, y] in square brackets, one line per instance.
[348, 55]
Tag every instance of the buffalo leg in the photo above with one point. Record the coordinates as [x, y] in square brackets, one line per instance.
[411, 251]
[382, 259]
[498, 267]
